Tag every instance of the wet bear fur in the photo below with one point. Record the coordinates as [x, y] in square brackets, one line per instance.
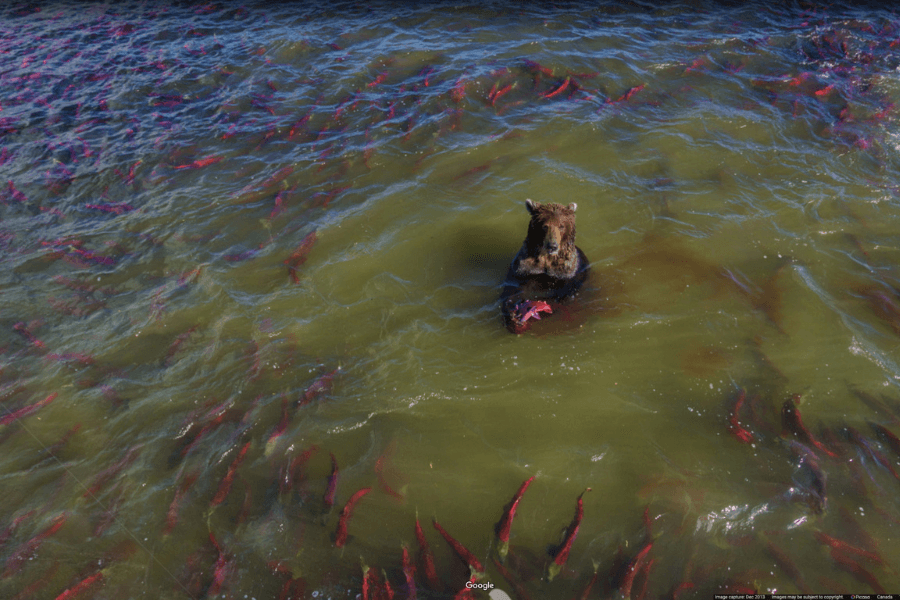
[549, 266]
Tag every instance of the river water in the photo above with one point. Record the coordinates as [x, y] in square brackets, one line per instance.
[251, 262]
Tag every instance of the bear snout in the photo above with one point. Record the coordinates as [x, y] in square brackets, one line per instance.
[552, 248]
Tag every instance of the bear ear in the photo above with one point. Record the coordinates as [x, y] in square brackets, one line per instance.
[531, 205]
[573, 206]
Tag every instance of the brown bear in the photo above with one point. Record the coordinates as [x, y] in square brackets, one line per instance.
[549, 266]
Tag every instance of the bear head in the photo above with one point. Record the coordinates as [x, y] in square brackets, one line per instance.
[551, 231]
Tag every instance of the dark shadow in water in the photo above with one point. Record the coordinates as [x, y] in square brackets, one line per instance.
[481, 252]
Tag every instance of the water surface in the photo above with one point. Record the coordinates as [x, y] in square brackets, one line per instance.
[244, 244]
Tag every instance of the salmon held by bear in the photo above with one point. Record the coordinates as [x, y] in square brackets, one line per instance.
[549, 266]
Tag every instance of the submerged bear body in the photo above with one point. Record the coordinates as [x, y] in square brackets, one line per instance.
[549, 266]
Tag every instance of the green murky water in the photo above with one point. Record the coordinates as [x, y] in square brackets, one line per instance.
[166, 166]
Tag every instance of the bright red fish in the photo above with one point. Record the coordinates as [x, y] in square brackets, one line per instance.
[427, 560]
[531, 309]
[341, 533]
[374, 587]
[734, 425]
[632, 569]
[793, 423]
[587, 590]
[15, 193]
[461, 551]
[368, 585]
[27, 410]
[561, 554]
[17, 558]
[467, 592]
[509, 513]
[627, 95]
[846, 548]
[379, 79]
[496, 93]
[83, 585]
[559, 89]
[225, 485]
